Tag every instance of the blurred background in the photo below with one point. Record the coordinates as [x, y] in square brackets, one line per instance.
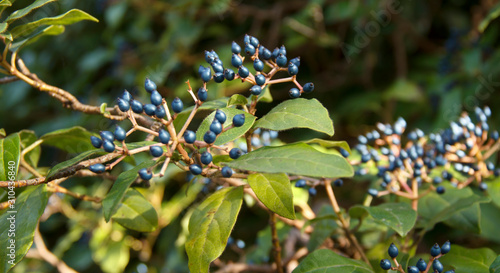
[371, 61]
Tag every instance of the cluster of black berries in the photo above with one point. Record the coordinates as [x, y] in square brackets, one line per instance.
[404, 162]
[421, 265]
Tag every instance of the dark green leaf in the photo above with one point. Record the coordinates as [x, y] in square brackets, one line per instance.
[237, 99]
[298, 158]
[74, 160]
[494, 191]
[209, 105]
[136, 213]
[495, 266]
[27, 138]
[398, 216]
[10, 154]
[492, 15]
[274, 191]
[327, 261]
[210, 227]
[469, 260]
[329, 143]
[230, 134]
[28, 208]
[50, 30]
[297, 113]
[265, 95]
[25, 11]
[122, 183]
[3, 27]
[71, 140]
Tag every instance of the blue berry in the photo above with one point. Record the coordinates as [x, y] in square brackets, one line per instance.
[312, 191]
[338, 183]
[163, 136]
[281, 60]
[450, 271]
[255, 90]
[216, 127]
[136, 106]
[412, 269]
[254, 41]
[206, 158]
[238, 120]
[124, 105]
[202, 94]
[447, 175]
[156, 98]
[437, 180]
[149, 85]
[160, 111]
[96, 142]
[373, 192]
[156, 151]
[309, 87]
[220, 116]
[97, 168]
[205, 74]
[243, 72]
[218, 68]
[107, 135]
[385, 264]
[435, 250]
[283, 50]
[126, 96]
[235, 48]
[229, 74]
[393, 251]
[145, 174]
[226, 172]
[295, 61]
[437, 266]
[236, 61]
[258, 65]
[494, 135]
[195, 169]
[293, 69]
[275, 53]
[177, 105]
[483, 186]
[209, 57]
[219, 77]
[421, 265]
[249, 49]
[209, 137]
[343, 152]
[446, 247]
[234, 153]
[108, 146]
[440, 189]
[300, 183]
[189, 136]
[260, 79]
[294, 93]
[149, 109]
[265, 53]
[120, 133]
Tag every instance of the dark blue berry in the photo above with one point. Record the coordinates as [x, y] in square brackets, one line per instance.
[156, 151]
[236, 61]
[309, 87]
[435, 250]
[275, 53]
[281, 60]
[163, 136]
[160, 111]
[294, 93]
[202, 94]
[265, 54]
[96, 142]
[209, 137]
[373, 192]
[385, 264]
[216, 127]
[195, 169]
[226, 171]
[255, 90]
[300, 183]
[206, 74]
[234, 153]
[440, 189]
[108, 146]
[120, 133]
[209, 57]
[136, 106]
[343, 152]
[421, 265]
[312, 191]
[149, 85]
[124, 105]
[258, 65]
[450, 271]
[97, 168]
[243, 72]
[218, 68]
[177, 105]
[260, 79]
[220, 116]
[249, 49]
[494, 135]
[238, 120]
[254, 41]
[283, 50]
[437, 180]
[206, 158]
[107, 135]
[229, 74]
[446, 247]
[126, 96]
[483, 186]
[412, 269]
[189, 136]
[219, 77]
[292, 69]
[155, 98]
[145, 174]
[393, 251]
[149, 109]
[338, 183]
[437, 266]
[295, 61]
[235, 48]
[447, 175]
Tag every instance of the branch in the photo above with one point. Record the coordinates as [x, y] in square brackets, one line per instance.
[48, 256]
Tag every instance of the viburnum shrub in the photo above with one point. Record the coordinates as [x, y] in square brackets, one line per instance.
[123, 211]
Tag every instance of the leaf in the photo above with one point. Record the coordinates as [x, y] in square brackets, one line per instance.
[323, 226]
[495, 266]
[2, 133]
[27, 138]
[298, 158]
[492, 15]
[210, 226]
[265, 95]
[123, 181]
[398, 216]
[73, 161]
[70, 17]
[230, 134]
[53, 30]
[25, 11]
[10, 154]
[72, 140]
[297, 113]
[209, 105]
[136, 213]
[275, 191]
[3, 27]
[237, 99]
[469, 260]
[326, 261]
[28, 208]
[403, 90]
[494, 191]
[329, 143]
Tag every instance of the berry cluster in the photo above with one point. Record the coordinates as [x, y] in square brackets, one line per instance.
[404, 162]
[421, 266]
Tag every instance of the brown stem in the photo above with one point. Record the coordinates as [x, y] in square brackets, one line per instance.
[276, 242]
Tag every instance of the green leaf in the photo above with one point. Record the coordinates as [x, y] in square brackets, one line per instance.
[28, 208]
[3, 27]
[72, 140]
[209, 105]
[10, 154]
[136, 213]
[70, 17]
[6, 35]
[494, 191]
[2, 133]
[298, 158]
[230, 134]
[50, 30]
[265, 95]
[403, 90]
[469, 260]
[275, 191]
[74, 160]
[27, 138]
[4, 4]
[25, 11]
[398, 216]
[123, 181]
[237, 99]
[210, 227]
[495, 266]
[297, 113]
[329, 143]
[327, 261]
[492, 15]
[324, 225]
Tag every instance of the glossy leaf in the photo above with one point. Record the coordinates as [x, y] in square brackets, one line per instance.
[72, 140]
[123, 181]
[28, 208]
[25, 11]
[462, 259]
[237, 99]
[48, 31]
[3, 27]
[74, 160]
[495, 266]
[329, 143]
[298, 158]
[27, 138]
[325, 260]
[493, 13]
[210, 226]
[398, 216]
[70, 17]
[10, 154]
[274, 191]
[297, 113]
[136, 213]
[230, 134]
